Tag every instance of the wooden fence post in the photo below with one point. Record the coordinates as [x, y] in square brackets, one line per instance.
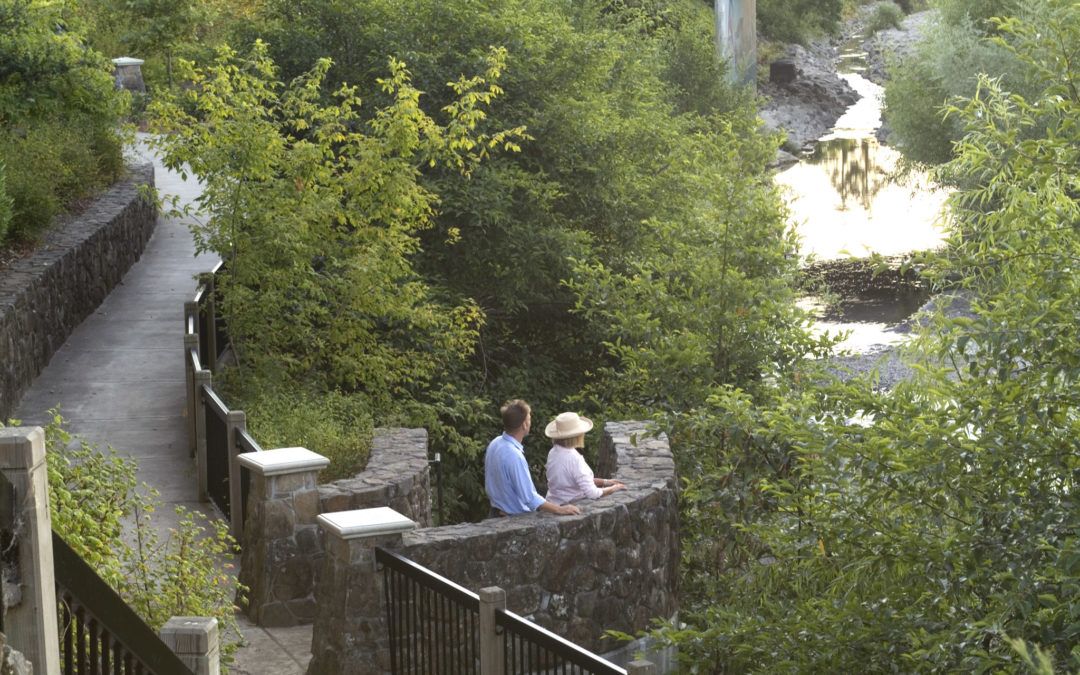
[202, 378]
[492, 642]
[30, 621]
[191, 341]
[211, 324]
[195, 640]
[235, 422]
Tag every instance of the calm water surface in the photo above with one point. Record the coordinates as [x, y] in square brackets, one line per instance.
[844, 204]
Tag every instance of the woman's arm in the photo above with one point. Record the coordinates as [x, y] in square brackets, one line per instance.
[585, 481]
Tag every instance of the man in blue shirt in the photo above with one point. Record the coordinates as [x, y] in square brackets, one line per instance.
[506, 472]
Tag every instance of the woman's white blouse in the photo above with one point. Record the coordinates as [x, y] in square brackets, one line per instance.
[569, 476]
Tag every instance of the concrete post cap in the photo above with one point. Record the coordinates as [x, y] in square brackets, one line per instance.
[365, 522]
[21, 447]
[282, 461]
[127, 61]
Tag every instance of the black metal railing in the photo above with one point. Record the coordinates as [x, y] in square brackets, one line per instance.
[218, 450]
[434, 628]
[433, 622]
[246, 443]
[99, 633]
[528, 648]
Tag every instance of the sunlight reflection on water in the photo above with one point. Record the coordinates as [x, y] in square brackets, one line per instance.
[843, 202]
[841, 199]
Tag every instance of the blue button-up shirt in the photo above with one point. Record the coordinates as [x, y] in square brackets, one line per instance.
[506, 477]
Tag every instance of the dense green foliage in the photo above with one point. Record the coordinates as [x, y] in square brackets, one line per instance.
[99, 508]
[339, 425]
[641, 174]
[932, 527]
[798, 20]
[947, 64]
[59, 114]
[5, 204]
[885, 14]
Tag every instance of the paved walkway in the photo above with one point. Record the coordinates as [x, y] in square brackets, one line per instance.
[119, 380]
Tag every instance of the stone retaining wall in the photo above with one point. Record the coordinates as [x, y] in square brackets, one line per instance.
[396, 476]
[43, 297]
[283, 548]
[613, 567]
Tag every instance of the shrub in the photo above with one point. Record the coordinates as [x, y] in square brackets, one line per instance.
[885, 15]
[59, 114]
[797, 20]
[336, 425]
[977, 12]
[98, 506]
[945, 64]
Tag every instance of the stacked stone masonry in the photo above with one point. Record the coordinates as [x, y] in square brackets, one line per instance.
[396, 476]
[283, 548]
[615, 566]
[46, 295]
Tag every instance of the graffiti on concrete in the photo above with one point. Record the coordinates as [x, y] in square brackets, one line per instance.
[736, 36]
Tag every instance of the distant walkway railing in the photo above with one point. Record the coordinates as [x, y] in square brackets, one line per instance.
[216, 434]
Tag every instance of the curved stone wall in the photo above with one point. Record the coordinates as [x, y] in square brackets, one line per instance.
[43, 297]
[613, 567]
[283, 548]
[396, 476]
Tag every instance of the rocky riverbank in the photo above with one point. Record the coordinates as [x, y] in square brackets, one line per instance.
[808, 107]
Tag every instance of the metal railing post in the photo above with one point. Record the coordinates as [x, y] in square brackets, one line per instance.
[492, 639]
[203, 378]
[235, 422]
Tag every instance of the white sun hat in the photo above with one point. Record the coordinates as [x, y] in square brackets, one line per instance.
[567, 425]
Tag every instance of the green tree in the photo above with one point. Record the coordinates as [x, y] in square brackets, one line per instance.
[316, 213]
[161, 26]
[59, 115]
[932, 527]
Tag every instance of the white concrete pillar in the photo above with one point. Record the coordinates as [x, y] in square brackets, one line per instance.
[30, 621]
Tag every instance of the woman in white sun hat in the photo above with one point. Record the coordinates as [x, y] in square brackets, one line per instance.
[568, 474]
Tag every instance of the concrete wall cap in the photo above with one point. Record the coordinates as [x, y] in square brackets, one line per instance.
[365, 522]
[283, 460]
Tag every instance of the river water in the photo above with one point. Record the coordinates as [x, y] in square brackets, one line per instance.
[845, 204]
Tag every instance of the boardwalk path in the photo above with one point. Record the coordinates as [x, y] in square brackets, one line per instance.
[119, 380]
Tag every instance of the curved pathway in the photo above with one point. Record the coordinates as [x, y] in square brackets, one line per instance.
[119, 381]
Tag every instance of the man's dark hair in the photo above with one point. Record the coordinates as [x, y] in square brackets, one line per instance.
[514, 414]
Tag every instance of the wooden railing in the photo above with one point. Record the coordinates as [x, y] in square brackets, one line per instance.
[99, 633]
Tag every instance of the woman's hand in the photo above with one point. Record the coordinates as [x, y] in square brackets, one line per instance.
[613, 486]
